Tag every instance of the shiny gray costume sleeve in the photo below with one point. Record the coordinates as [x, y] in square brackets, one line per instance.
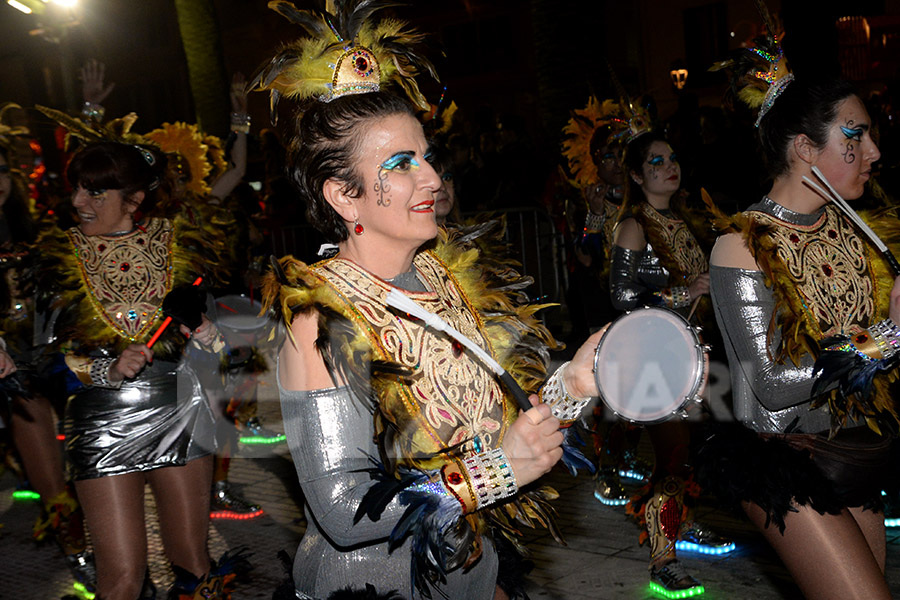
[633, 275]
[329, 435]
[767, 396]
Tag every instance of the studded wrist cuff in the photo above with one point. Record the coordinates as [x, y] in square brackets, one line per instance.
[887, 337]
[680, 297]
[564, 406]
[100, 374]
[491, 476]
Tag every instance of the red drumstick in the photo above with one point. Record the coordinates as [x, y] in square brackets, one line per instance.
[166, 322]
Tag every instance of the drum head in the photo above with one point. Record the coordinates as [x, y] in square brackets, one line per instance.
[648, 364]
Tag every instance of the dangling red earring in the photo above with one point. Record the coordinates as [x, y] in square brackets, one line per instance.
[357, 228]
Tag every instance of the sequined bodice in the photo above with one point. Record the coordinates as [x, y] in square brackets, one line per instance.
[678, 240]
[827, 259]
[450, 396]
[126, 277]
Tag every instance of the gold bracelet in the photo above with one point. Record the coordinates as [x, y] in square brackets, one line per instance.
[457, 482]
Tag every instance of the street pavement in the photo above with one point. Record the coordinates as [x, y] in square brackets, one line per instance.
[601, 560]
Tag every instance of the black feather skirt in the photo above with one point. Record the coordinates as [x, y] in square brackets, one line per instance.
[778, 472]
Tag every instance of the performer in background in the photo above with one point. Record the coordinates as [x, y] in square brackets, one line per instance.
[593, 149]
[32, 415]
[657, 260]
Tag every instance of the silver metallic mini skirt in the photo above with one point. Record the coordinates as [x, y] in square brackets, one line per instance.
[162, 418]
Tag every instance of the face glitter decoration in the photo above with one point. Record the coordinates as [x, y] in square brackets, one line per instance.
[401, 162]
[661, 173]
[102, 212]
[847, 157]
[399, 184]
[853, 135]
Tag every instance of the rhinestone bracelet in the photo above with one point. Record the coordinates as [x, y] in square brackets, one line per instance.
[887, 336]
[492, 477]
[564, 406]
[240, 122]
[680, 297]
[91, 111]
[100, 374]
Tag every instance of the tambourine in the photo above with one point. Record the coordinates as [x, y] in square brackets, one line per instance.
[650, 365]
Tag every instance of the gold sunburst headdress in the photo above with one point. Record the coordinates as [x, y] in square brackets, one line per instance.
[760, 73]
[580, 130]
[202, 152]
[346, 53]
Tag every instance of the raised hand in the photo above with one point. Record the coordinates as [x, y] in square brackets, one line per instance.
[92, 76]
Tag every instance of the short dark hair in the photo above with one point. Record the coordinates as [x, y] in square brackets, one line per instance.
[116, 166]
[324, 147]
[807, 108]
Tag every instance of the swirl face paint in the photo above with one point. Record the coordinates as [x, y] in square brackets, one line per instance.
[847, 157]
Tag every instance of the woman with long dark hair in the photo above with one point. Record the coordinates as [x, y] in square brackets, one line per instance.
[656, 259]
[792, 271]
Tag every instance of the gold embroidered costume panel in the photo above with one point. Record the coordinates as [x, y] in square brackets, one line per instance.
[450, 395]
[682, 246]
[126, 277]
[828, 261]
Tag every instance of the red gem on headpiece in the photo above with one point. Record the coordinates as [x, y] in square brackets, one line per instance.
[827, 270]
[454, 478]
[362, 64]
[457, 349]
[124, 266]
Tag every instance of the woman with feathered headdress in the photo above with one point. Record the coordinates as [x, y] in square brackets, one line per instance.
[789, 275]
[409, 452]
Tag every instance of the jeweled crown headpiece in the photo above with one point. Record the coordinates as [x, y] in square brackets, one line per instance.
[760, 73]
[346, 54]
[580, 131]
[634, 120]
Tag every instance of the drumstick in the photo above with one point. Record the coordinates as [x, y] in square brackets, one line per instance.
[166, 322]
[694, 307]
[838, 201]
[402, 302]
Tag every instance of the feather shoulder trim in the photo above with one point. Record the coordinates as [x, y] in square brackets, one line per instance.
[61, 285]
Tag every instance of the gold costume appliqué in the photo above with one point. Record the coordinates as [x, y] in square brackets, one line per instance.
[126, 282]
[451, 394]
[829, 262]
[674, 234]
